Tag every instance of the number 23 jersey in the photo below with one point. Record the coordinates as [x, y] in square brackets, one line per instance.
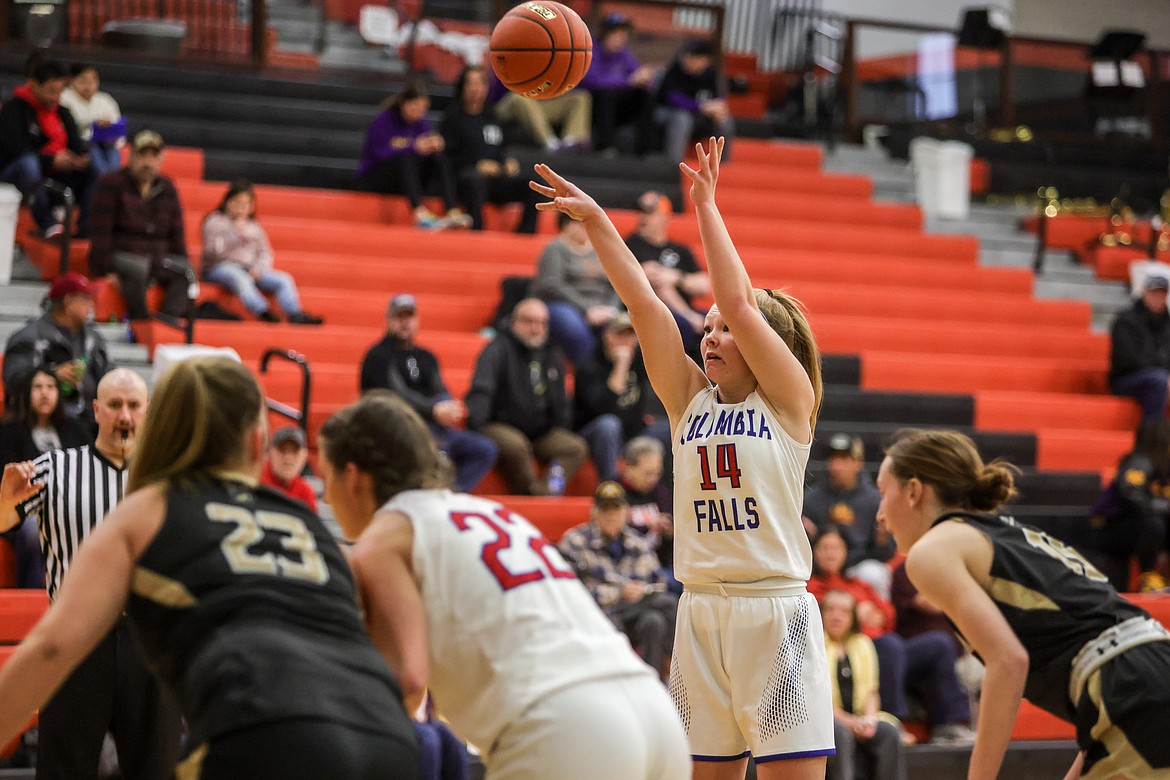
[507, 620]
[247, 610]
[738, 494]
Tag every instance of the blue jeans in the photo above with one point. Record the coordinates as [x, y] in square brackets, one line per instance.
[1149, 386]
[926, 660]
[569, 328]
[472, 454]
[104, 158]
[605, 437]
[237, 279]
[441, 755]
[30, 560]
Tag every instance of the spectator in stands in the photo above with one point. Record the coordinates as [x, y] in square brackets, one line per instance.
[916, 615]
[236, 254]
[65, 340]
[475, 144]
[692, 100]
[288, 452]
[570, 279]
[1131, 515]
[35, 423]
[847, 500]
[39, 140]
[98, 118]
[1140, 357]
[670, 266]
[640, 469]
[398, 364]
[864, 735]
[538, 119]
[612, 397]
[620, 568]
[927, 659]
[403, 155]
[136, 231]
[620, 87]
[518, 398]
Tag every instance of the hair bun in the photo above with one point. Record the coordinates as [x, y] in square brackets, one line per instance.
[994, 486]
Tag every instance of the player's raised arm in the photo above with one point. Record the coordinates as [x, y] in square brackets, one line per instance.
[783, 381]
[675, 377]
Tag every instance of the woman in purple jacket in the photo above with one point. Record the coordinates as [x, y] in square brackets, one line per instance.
[620, 86]
[403, 155]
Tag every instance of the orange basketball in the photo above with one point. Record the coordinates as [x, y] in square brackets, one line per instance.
[541, 49]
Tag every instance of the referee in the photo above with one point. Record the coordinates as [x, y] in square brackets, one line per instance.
[69, 492]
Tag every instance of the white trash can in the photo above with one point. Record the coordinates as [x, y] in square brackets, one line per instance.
[9, 211]
[942, 177]
[167, 355]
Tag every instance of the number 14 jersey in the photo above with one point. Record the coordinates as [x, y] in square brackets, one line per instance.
[507, 620]
[738, 494]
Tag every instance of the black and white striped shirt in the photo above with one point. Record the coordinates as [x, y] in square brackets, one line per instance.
[81, 487]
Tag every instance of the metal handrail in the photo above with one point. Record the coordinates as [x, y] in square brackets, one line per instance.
[301, 417]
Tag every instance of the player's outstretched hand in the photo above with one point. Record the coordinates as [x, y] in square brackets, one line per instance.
[563, 195]
[17, 484]
[703, 180]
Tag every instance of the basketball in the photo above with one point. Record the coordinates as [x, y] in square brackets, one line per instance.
[541, 50]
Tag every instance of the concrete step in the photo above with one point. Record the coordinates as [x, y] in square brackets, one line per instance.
[123, 353]
[297, 30]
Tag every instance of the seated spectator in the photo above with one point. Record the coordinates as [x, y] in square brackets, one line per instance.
[621, 571]
[1131, 515]
[538, 119]
[475, 144]
[865, 736]
[570, 279]
[518, 398]
[915, 616]
[288, 452]
[35, 423]
[847, 500]
[98, 118]
[671, 267]
[236, 254]
[620, 87]
[39, 140]
[927, 659]
[397, 364]
[136, 231]
[403, 155]
[640, 470]
[64, 340]
[612, 394]
[1139, 365]
[692, 101]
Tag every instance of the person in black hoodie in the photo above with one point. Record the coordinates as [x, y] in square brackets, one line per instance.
[475, 145]
[692, 101]
[39, 140]
[518, 398]
[1139, 365]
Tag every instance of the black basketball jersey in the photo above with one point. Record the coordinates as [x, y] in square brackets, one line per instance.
[1054, 600]
[246, 609]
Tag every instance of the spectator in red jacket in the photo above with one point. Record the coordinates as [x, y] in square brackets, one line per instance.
[287, 454]
[39, 140]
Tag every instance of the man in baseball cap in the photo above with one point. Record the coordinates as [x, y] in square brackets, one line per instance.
[1139, 365]
[620, 568]
[288, 452]
[137, 233]
[65, 340]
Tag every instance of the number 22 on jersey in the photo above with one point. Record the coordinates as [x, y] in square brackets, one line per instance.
[516, 554]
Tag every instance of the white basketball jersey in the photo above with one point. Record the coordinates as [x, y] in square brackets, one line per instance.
[507, 620]
[738, 494]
